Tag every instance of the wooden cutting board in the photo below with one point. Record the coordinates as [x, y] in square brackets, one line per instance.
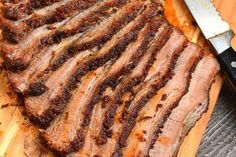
[19, 138]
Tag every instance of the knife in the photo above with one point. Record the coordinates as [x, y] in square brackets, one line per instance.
[218, 33]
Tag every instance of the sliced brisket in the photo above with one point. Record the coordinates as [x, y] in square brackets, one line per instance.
[63, 130]
[121, 66]
[105, 77]
[108, 106]
[55, 95]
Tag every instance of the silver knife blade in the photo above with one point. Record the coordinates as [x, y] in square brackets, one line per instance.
[222, 42]
[207, 17]
[213, 27]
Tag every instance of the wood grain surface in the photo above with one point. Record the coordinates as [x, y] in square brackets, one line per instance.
[17, 134]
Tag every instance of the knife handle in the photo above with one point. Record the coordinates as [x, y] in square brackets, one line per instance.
[227, 60]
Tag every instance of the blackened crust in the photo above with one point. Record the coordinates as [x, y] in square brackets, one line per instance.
[14, 65]
[98, 61]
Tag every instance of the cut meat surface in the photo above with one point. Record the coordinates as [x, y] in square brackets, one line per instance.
[188, 111]
[129, 81]
[105, 78]
[41, 106]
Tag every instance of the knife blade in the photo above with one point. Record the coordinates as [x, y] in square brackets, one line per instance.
[218, 33]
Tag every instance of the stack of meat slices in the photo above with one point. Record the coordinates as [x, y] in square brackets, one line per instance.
[105, 77]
